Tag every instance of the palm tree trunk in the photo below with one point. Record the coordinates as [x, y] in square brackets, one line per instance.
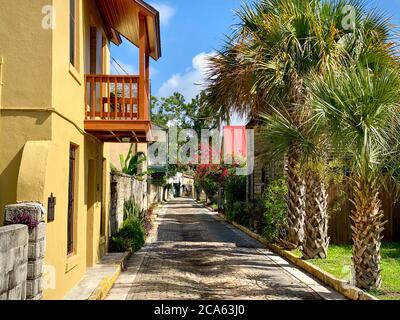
[296, 204]
[316, 239]
[367, 234]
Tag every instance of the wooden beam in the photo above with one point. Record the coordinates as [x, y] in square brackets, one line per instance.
[135, 136]
[116, 137]
[142, 67]
[117, 126]
[147, 85]
[104, 135]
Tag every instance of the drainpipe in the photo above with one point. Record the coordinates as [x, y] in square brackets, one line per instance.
[1, 77]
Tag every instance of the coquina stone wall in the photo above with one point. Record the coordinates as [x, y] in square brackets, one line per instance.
[13, 262]
[155, 193]
[22, 251]
[124, 188]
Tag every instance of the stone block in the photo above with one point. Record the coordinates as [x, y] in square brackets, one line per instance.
[3, 282]
[10, 260]
[14, 257]
[26, 248]
[24, 290]
[13, 236]
[36, 210]
[17, 293]
[3, 262]
[35, 269]
[17, 276]
[43, 246]
[36, 250]
[33, 287]
[38, 233]
[21, 255]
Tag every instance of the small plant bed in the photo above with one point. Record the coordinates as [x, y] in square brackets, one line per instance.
[136, 228]
[338, 264]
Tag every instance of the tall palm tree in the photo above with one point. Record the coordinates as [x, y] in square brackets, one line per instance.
[310, 142]
[275, 48]
[360, 109]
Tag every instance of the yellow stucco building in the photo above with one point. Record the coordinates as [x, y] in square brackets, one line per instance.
[58, 110]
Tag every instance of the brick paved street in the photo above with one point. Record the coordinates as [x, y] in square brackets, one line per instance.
[195, 255]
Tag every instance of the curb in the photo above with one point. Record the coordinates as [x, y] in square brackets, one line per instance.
[207, 207]
[211, 209]
[102, 290]
[349, 291]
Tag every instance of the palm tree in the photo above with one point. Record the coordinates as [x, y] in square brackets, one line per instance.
[310, 142]
[278, 44]
[359, 106]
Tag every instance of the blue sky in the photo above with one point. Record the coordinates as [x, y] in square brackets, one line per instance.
[190, 30]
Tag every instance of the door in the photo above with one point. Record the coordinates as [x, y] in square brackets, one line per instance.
[91, 191]
[71, 201]
[103, 222]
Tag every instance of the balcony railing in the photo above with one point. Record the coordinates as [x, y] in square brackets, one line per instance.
[112, 97]
[117, 108]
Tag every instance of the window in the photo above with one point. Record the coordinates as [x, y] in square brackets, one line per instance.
[98, 52]
[73, 32]
[71, 200]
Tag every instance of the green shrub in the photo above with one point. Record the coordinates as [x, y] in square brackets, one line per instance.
[275, 202]
[131, 236]
[236, 212]
[120, 244]
[133, 210]
[255, 211]
[235, 191]
[210, 188]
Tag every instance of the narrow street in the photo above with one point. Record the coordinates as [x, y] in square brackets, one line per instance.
[193, 254]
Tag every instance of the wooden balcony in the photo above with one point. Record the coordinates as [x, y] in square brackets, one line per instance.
[117, 108]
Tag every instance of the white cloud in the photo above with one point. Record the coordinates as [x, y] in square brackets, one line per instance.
[166, 11]
[191, 82]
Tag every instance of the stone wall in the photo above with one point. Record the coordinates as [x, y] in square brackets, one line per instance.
[124, 188]
[156, 193]
[23, 251]
[13, 262]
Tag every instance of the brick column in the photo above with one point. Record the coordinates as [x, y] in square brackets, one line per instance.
[36, 245]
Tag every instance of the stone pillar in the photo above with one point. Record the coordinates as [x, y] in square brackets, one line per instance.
[36, 245]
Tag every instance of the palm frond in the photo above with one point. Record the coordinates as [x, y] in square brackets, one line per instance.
[361, 110]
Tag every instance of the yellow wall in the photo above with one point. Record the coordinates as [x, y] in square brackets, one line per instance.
[26, 49]
[116, 149]
[42, 112]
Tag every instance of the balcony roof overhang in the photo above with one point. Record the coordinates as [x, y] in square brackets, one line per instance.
[122, 17]
[120, 130]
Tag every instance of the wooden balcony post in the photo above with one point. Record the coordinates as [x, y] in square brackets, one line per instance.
[147, 86]
[143, 52]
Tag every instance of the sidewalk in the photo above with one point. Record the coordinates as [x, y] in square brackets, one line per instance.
[99, 280]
